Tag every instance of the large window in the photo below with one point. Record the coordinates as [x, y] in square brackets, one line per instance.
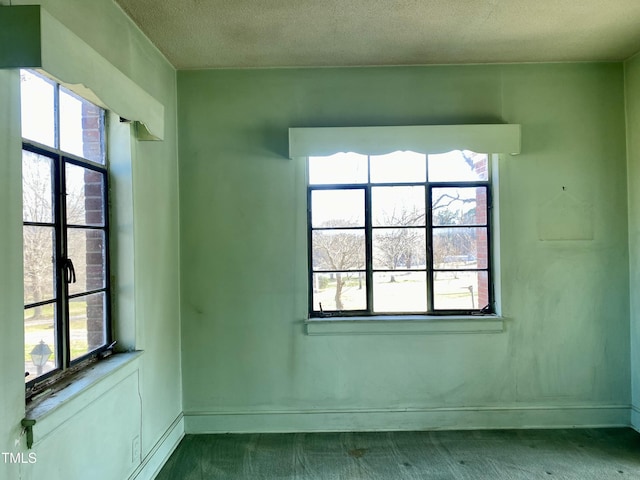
[401, 233]
[65, 228]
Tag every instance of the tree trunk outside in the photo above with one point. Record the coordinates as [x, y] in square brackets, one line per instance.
[37, 311]
[338, 296]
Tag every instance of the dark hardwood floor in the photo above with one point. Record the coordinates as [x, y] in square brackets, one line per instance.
[571, 454]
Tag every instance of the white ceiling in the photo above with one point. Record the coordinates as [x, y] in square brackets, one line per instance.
[286, 33]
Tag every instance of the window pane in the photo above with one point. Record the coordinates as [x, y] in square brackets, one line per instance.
[37, 197]
[337, 208]
[398, 167]
[460, 290]
[85, 196]
[81, 127]
[339, 291]
[39, 341]
[402, 248]
[397, 206]
[338, 249]
[458, 166]
[400, 292]
[86, 324]
[86, 250]
[338, 169]
[37, 107]
[459, 206]
[460, 248]
[39, 263]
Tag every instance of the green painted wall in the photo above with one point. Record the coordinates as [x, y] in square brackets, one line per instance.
[632, 90]
[11, 292]
[243, 254]
[153, 391]
[235, 269]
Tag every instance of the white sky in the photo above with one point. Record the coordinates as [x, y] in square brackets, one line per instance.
[38, 115]
[38, 121]
[348, 205]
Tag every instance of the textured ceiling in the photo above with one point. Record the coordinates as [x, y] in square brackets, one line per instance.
[286, 33]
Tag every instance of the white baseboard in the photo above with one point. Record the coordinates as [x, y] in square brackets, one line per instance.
[465, 418]
[161, 451]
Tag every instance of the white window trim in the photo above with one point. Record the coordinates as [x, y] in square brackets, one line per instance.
[405, 325]
[40, 41]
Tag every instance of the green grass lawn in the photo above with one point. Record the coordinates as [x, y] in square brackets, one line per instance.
[75, 309]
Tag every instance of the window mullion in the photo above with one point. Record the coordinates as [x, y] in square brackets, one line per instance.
[65, 299]
[368, 236]
[489, 227]
[64, 336]
[107, 259]
[368, 247]
[429, 240]
[56, 116]
[60, 252]
[310, 270]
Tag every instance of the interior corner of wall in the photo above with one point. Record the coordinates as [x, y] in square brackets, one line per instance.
[635, 418]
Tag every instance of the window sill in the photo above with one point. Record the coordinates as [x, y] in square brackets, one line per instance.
[405, 325]
[52, 410]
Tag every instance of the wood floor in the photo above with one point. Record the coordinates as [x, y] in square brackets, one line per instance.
[572, 454]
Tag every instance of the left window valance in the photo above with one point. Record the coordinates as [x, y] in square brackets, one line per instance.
[30, 37]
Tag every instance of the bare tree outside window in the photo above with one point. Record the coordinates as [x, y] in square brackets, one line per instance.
[371, 231]
[341, 252]
[64, 225]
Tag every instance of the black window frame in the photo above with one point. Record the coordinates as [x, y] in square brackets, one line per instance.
[429, 227]
[64, 272]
